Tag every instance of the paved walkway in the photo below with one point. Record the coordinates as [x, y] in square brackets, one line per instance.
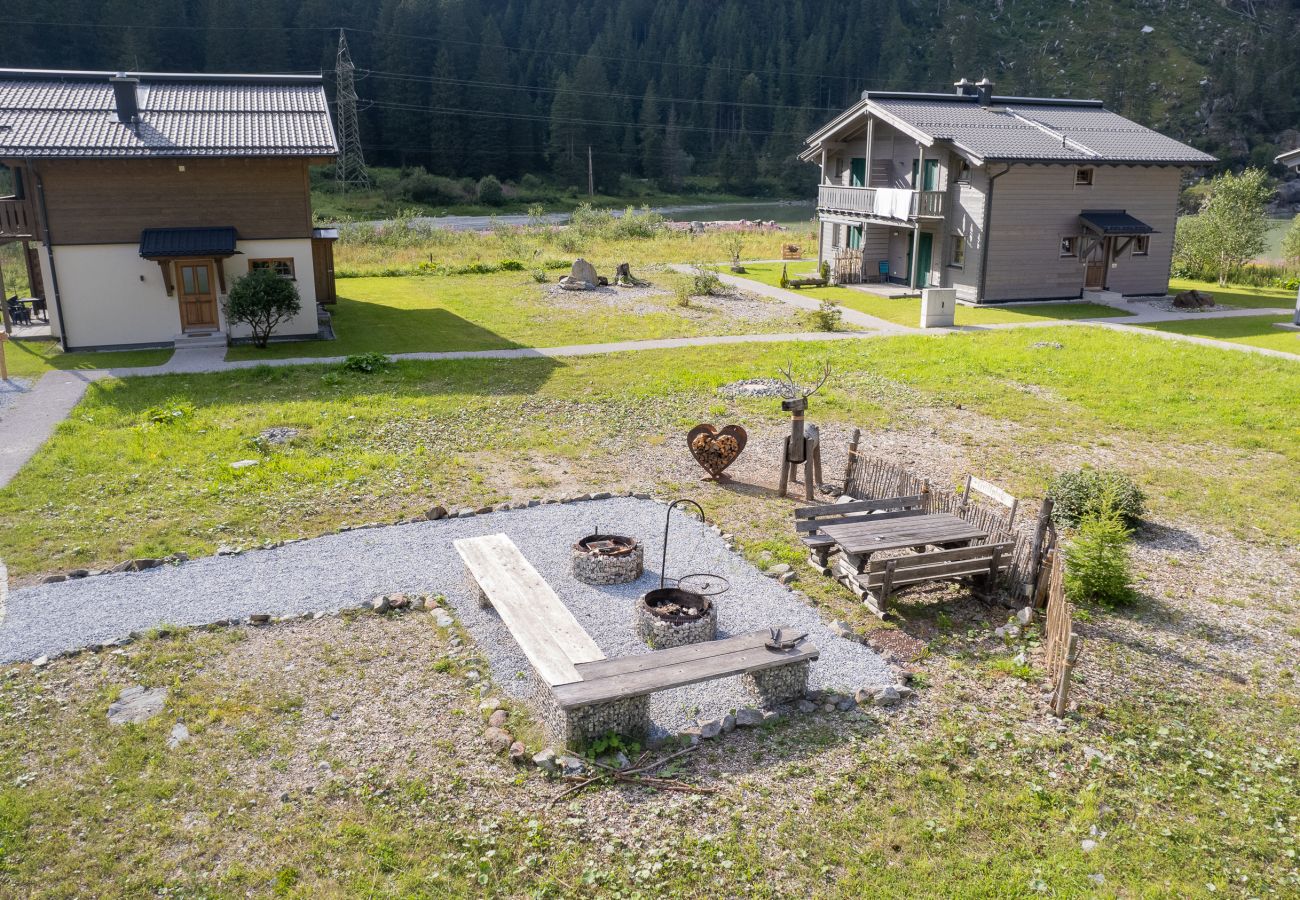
[30, 419]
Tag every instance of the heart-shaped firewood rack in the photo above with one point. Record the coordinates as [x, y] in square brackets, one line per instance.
[716, 449]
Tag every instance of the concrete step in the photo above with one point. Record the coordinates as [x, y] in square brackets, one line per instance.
[1107, 297]
[199, 340]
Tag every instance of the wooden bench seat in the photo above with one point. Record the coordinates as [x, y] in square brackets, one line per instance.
[540, 623]
[809, 520]
[883, 576]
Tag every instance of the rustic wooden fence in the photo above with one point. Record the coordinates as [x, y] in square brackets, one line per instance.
[1061, 643]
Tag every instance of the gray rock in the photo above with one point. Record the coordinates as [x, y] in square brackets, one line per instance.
[807, 706]
[728, 723]
[1007, 632]
[472, 676]
[787, 577]
[434, 513]
[418, 603]
[710, 729]
[616, 760]
[180, 734]
[690, 735]
[778, 570]
[128, 564]
[259, 618]
[78, 573]
[379, 604]
[1025, 616]
[244, 464]
[844, 704]
[583, 271]
[828, 707]
[903, 691]
[1087, 845]
[571, 765]
[41, 661]
[137, 704]
[748, 717]
[489, 706]
[842, 628]
[53, 579]
[770, 715]
[498, 739]
[545, 760]
[443, 618]
[223, 550]
[498, 718]
[886, 696]
[139, 565]
[519, 753]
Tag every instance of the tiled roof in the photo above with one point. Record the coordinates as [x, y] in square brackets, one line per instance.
[162, 243]
[1027, 129]
[73, 114]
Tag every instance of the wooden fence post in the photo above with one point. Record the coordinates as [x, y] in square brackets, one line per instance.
[1061, 697]
[4, 366]
[853, 459]
[1037, 551]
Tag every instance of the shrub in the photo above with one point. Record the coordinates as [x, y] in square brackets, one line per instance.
[825, 271]
[510, 265]
[706, 281]
[1081, 493]
[827, 316]
[262, 300]
[539, 275]
[367, 363]
[490, 191]
[683, 290]
[434, 190]
[1097, 568]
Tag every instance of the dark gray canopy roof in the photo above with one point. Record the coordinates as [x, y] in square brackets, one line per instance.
[169, 243]
[73, 114]
[1115, 222]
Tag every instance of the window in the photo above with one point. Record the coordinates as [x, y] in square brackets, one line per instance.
[961, 171]
[958, 251]
[835, 237]
[1142, 245]
[282, 266]
[1083, 177]
[1069, 246]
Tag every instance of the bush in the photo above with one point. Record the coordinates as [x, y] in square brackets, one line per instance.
[490, 191]
[434, 190]
[1082, 493]
[683, 290]
[825, 271]
[367, 363]
[706, 281]
[827, 317]
[262, 300]
[1097, 568]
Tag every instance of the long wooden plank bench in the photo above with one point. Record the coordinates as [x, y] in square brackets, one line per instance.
[541, 624]
[809, 520]
[590, 695]
[883, 576]
[613, 694]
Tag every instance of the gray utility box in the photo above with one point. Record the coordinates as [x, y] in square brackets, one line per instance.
[938, 307]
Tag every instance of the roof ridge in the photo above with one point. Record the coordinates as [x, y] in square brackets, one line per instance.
[1065, 139]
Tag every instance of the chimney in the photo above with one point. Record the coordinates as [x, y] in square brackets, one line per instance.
[124, 98]
[985, 88]
[964, 88]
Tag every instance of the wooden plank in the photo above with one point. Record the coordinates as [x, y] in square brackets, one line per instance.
[835, 509]
[543, 627]
[992, 491]
[980, 551]
[660, 678]
[819, 524]
[640, 662]
[939, 572]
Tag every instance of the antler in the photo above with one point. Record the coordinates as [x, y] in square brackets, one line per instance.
[788, 372]
[826, 373]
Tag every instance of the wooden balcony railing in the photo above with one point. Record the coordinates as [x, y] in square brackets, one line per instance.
[16, 219]
[868, 202]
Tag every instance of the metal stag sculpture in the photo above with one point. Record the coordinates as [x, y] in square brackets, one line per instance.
[803, 446]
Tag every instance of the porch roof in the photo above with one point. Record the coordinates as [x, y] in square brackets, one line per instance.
[170, 243]
[1114, 223]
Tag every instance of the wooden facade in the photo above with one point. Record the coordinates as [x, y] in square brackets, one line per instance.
[111, 201]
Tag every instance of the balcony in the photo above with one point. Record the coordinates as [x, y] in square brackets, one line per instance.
[16, 220]
[881, 203]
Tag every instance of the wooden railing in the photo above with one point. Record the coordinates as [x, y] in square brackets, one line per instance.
[16, 220]
[863, 200]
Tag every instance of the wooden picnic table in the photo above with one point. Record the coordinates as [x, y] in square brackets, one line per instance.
[858, 540]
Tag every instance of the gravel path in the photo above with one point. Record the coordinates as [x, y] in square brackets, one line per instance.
[341, 570]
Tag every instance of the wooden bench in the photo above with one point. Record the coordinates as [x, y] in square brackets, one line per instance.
[540, 623]
[883, 576]
[614, 694]
[590, 695]
[809, 520]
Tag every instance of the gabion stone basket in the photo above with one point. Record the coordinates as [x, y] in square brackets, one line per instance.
[607, 559]
[670, 617]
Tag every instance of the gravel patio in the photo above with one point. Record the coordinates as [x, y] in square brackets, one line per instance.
[341, 571]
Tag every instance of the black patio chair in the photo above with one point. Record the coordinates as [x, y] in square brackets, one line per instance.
[39, 309]
[18, 314]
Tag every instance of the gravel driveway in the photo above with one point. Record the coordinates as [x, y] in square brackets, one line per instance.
[341, 570]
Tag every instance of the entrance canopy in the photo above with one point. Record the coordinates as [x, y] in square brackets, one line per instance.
[1114, 223]
[173, 243]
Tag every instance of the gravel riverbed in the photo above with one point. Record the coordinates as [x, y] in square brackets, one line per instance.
[341, 570]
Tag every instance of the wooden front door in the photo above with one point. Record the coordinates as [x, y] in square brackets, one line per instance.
[196, 288]
[322, 260]
[1097, 262]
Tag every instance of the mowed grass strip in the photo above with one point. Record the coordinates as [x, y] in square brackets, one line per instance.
[413, 314]
[142, 466]
[1255, 331]
[31, 359]
[908, 311]
[1238, 295]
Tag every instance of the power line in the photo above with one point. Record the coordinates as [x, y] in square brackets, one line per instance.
[351, 168]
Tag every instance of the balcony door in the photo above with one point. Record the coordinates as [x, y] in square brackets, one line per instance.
[197, 291]
[858, 171]
[931, 180]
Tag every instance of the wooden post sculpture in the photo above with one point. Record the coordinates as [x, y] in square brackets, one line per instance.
[803, 446]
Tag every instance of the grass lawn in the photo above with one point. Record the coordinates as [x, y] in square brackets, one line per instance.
[1237, 294]
[124, 476]
[908, 311]
[489, 312]
[31, 359]
[1258, 331]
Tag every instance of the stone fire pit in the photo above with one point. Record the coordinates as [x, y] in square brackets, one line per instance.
[607, 559]
[672, 617]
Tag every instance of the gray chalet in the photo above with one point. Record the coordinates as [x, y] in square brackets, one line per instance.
[1000, 198]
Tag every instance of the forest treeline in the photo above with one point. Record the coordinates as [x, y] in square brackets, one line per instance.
[663, 89]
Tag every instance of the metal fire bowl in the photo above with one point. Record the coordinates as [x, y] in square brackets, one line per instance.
[650, 599]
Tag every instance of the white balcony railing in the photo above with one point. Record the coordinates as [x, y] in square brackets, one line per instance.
[866, 201]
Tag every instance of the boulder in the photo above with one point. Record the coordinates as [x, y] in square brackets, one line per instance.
[519, 753]
[886, 696]
[748, 717]
[583, 271]
[546, 762]
[137, 704]
[711, 729]
[498, 739]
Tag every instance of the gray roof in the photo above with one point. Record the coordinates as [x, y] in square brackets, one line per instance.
[73, 114]
[1031, 129]
[1290, 158]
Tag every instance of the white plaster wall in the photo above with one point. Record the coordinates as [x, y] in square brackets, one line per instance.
[111, 297]
[298, 249]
